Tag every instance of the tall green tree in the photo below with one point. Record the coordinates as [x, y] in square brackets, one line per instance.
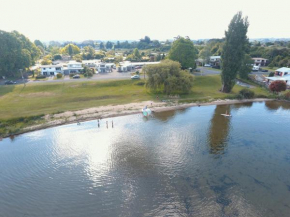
[70, 49]
[184, 52]
[136, 54]
[29, 46]
[102, 46]
[246, 66]
[109, 45]
[16, 52]
[234, 50]
[38, 43]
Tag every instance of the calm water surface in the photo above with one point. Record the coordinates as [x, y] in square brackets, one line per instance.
[191, 162]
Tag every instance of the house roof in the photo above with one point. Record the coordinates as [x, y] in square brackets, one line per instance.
[74, 62]
[259, 58]
[279, 78]
[283, 69]
[50, 66]
[215, 57]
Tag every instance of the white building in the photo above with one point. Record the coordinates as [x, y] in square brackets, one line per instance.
[128, 65]
[215, 60]
[282, 71]
[260, 61]
[73, 67]
[105, 67]
[51, 70]
[91, 63]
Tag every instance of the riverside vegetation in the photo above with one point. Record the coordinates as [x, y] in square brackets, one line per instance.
[25, 106]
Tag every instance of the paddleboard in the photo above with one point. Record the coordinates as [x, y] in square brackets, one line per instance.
[226, 115]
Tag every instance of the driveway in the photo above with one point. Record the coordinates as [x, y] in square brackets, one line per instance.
[207, 71]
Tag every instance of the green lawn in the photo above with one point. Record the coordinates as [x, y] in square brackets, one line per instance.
[270, 69]
[35, 99]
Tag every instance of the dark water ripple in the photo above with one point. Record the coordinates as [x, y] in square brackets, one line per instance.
[191, 162]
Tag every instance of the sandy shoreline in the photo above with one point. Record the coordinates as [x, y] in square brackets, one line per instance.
[102, 112]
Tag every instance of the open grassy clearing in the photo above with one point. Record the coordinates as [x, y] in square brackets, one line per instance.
[35, 99]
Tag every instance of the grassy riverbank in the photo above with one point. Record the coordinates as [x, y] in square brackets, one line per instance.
[23, 106]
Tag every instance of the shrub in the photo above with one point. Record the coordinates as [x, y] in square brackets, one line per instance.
[137, 72]
[239, 96]
[286, 95]
[72, 74]
[247, 93]
[88, 74]
[140, 83]
[261, 96]
[278, 86]
[271, 74]
[59, 75]
[40, 77]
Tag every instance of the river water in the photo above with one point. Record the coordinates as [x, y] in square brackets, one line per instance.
[191, 162]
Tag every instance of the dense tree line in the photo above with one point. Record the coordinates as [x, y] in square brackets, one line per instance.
[16, 52]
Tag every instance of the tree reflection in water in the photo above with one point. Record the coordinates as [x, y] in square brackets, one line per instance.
[220, 126]
[167, 115]
[275, 105]
[219, 129]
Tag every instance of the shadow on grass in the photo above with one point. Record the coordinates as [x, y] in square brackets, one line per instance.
[6, 89]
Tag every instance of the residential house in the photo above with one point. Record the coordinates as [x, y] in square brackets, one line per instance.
[282, 71]
[285, 78]
[91, 63]
[215, 60]
[258, 61]
[73, 67]
[105, 67]
[51, 70]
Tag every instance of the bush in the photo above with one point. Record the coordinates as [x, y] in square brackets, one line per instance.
[271, 74]
[59, 75]
[247, 93]
[137, 72]
[72, 74]
[278, 86]
[286, 95]
[40, 77]
[239, 96]
[261, 96]
[140, 83]
[88, 74]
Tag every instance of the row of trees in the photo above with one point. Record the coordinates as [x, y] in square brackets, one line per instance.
[235, 60]
[17, 52]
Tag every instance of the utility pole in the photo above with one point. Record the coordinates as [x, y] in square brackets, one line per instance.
[22, 76]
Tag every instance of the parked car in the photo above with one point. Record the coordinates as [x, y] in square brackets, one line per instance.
[216, 67]
[207, 65]
[135, 77]
[9, 82]
[76, 76]
[264, 70]
[256, 68]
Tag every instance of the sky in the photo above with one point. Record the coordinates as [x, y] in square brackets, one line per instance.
[68, 20]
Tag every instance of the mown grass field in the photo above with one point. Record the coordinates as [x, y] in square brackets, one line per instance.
[47, 98]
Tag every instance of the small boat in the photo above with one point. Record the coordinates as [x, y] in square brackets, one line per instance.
[226, 114]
